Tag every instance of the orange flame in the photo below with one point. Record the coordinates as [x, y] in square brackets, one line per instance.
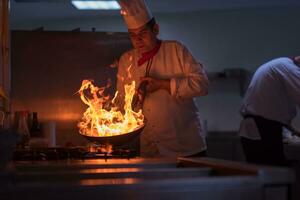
[102, 117]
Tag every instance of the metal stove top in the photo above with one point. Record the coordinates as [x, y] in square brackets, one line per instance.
[66, 153]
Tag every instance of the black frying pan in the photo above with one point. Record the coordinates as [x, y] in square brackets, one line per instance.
[117, 140]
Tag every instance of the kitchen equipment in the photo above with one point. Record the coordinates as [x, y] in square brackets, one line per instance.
[35, 129]
[5, 120]
[49, 132]
[145, 179]
[20, 125]
[2, 117]
[117, 140]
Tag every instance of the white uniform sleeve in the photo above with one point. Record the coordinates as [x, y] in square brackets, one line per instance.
[292, 84]
[194, 81]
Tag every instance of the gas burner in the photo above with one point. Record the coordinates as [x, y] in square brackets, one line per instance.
[125, 153]
[64, 153]
[50, 153]
[108, 151]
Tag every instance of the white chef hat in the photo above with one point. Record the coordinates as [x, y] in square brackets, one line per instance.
[135, 13]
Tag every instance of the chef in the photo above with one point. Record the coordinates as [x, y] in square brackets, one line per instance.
[173, 78]
[268, 106]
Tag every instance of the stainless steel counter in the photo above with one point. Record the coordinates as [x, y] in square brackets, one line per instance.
[144, 179]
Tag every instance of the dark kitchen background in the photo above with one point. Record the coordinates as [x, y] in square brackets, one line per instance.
[48, 47]
[54, 47]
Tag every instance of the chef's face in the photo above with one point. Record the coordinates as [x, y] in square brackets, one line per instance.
[144, 38]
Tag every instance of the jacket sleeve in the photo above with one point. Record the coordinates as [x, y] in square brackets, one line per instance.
[292, 83]
[194, 81]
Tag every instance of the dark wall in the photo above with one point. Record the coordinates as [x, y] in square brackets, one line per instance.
[48, 67]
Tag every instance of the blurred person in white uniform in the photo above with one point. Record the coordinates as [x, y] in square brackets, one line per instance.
[172, 77]
[270, 105]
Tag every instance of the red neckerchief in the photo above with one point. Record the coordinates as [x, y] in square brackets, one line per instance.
[150, 54]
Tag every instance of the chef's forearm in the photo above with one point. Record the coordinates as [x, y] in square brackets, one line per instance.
[293, 130]
[189, 87]
[165, 84]
[296, 132]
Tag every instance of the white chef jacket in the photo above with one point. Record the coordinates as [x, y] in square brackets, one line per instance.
[173, 123]
[274, 93]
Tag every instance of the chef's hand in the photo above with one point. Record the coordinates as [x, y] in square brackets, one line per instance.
[154, 84]
[294, 130]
